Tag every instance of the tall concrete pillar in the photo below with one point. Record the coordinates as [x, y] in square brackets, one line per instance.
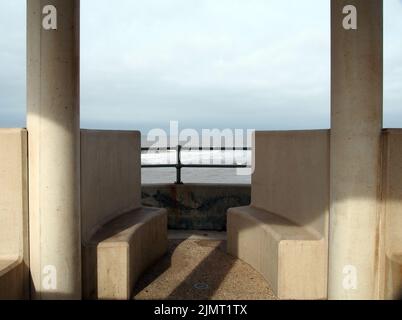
[357, 78]
[54, 148]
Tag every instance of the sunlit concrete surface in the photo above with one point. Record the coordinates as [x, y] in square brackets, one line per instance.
[317, 196]
[284, 232]
[120, 239]
[390, 247]
[198, 267]
[356, 123]
[53, 122]
[14, 253]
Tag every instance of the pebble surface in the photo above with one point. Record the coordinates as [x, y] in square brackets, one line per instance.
[201, 270]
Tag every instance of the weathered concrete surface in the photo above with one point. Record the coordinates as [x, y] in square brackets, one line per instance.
[192, 262]
[196, 206]
[291, 259]
[14, 279]
[120, 239]
[284, 233]
[357, 98]
[125, 248]
[14, 259]
[196, 235]
[391, 218]
[110, 177]
[53, 120]
[291, 177]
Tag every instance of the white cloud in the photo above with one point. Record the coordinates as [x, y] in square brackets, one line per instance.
[192, 58]
[206, 63]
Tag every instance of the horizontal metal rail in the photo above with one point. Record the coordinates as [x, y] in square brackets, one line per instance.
[198, 149]
[197, 166]
[179, 165]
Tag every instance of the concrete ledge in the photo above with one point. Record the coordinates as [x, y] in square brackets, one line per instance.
[120, 252]
[110, 177]
[195, 235]
[6, 265]
[391, 219]
[14, 259]
[394, 277]
[119, 237]
[291, 258]
[284, 232]
[11, 273]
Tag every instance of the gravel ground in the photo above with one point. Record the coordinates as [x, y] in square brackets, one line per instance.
[201, 269]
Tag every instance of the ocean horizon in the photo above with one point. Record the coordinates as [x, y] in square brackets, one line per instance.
[195, 175]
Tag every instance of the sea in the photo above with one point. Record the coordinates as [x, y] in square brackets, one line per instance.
[196, 175]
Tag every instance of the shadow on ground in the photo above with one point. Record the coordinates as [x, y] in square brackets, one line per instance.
[201, 269]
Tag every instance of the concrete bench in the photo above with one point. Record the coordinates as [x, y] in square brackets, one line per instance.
[120, 238]
[390, 268]
[13, 282]
[283, 234]
[394, 277]
[124, 248]
[286, 254]
[14, 261]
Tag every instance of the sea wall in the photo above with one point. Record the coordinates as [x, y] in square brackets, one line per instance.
[196, 206]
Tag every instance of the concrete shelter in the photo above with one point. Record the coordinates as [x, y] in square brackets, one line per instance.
[325, 219]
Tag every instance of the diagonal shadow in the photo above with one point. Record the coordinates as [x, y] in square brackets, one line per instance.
[211, 271]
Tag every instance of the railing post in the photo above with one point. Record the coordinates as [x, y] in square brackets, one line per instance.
[178, 166]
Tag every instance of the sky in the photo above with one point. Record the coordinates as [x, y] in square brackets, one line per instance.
[255, 64]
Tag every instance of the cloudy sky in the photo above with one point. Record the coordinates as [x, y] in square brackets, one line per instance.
[257, 64]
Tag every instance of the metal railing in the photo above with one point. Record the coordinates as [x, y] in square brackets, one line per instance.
[179, 165]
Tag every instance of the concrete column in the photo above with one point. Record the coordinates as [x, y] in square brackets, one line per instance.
[357, 78]
[54, 148]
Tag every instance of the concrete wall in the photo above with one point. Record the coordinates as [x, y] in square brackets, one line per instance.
[292, 177]
[291, 181]
[110, 176]
[14, 261]
[391, 224]
[284, 233]
[196, 206]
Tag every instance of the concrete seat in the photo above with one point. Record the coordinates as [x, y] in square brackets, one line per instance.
[286, 254]
[390, 232]
[283, 234]
[14, 261]
[393, 277]
[120, 238]
[7, 264]
[124, 248]
[11, 272]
